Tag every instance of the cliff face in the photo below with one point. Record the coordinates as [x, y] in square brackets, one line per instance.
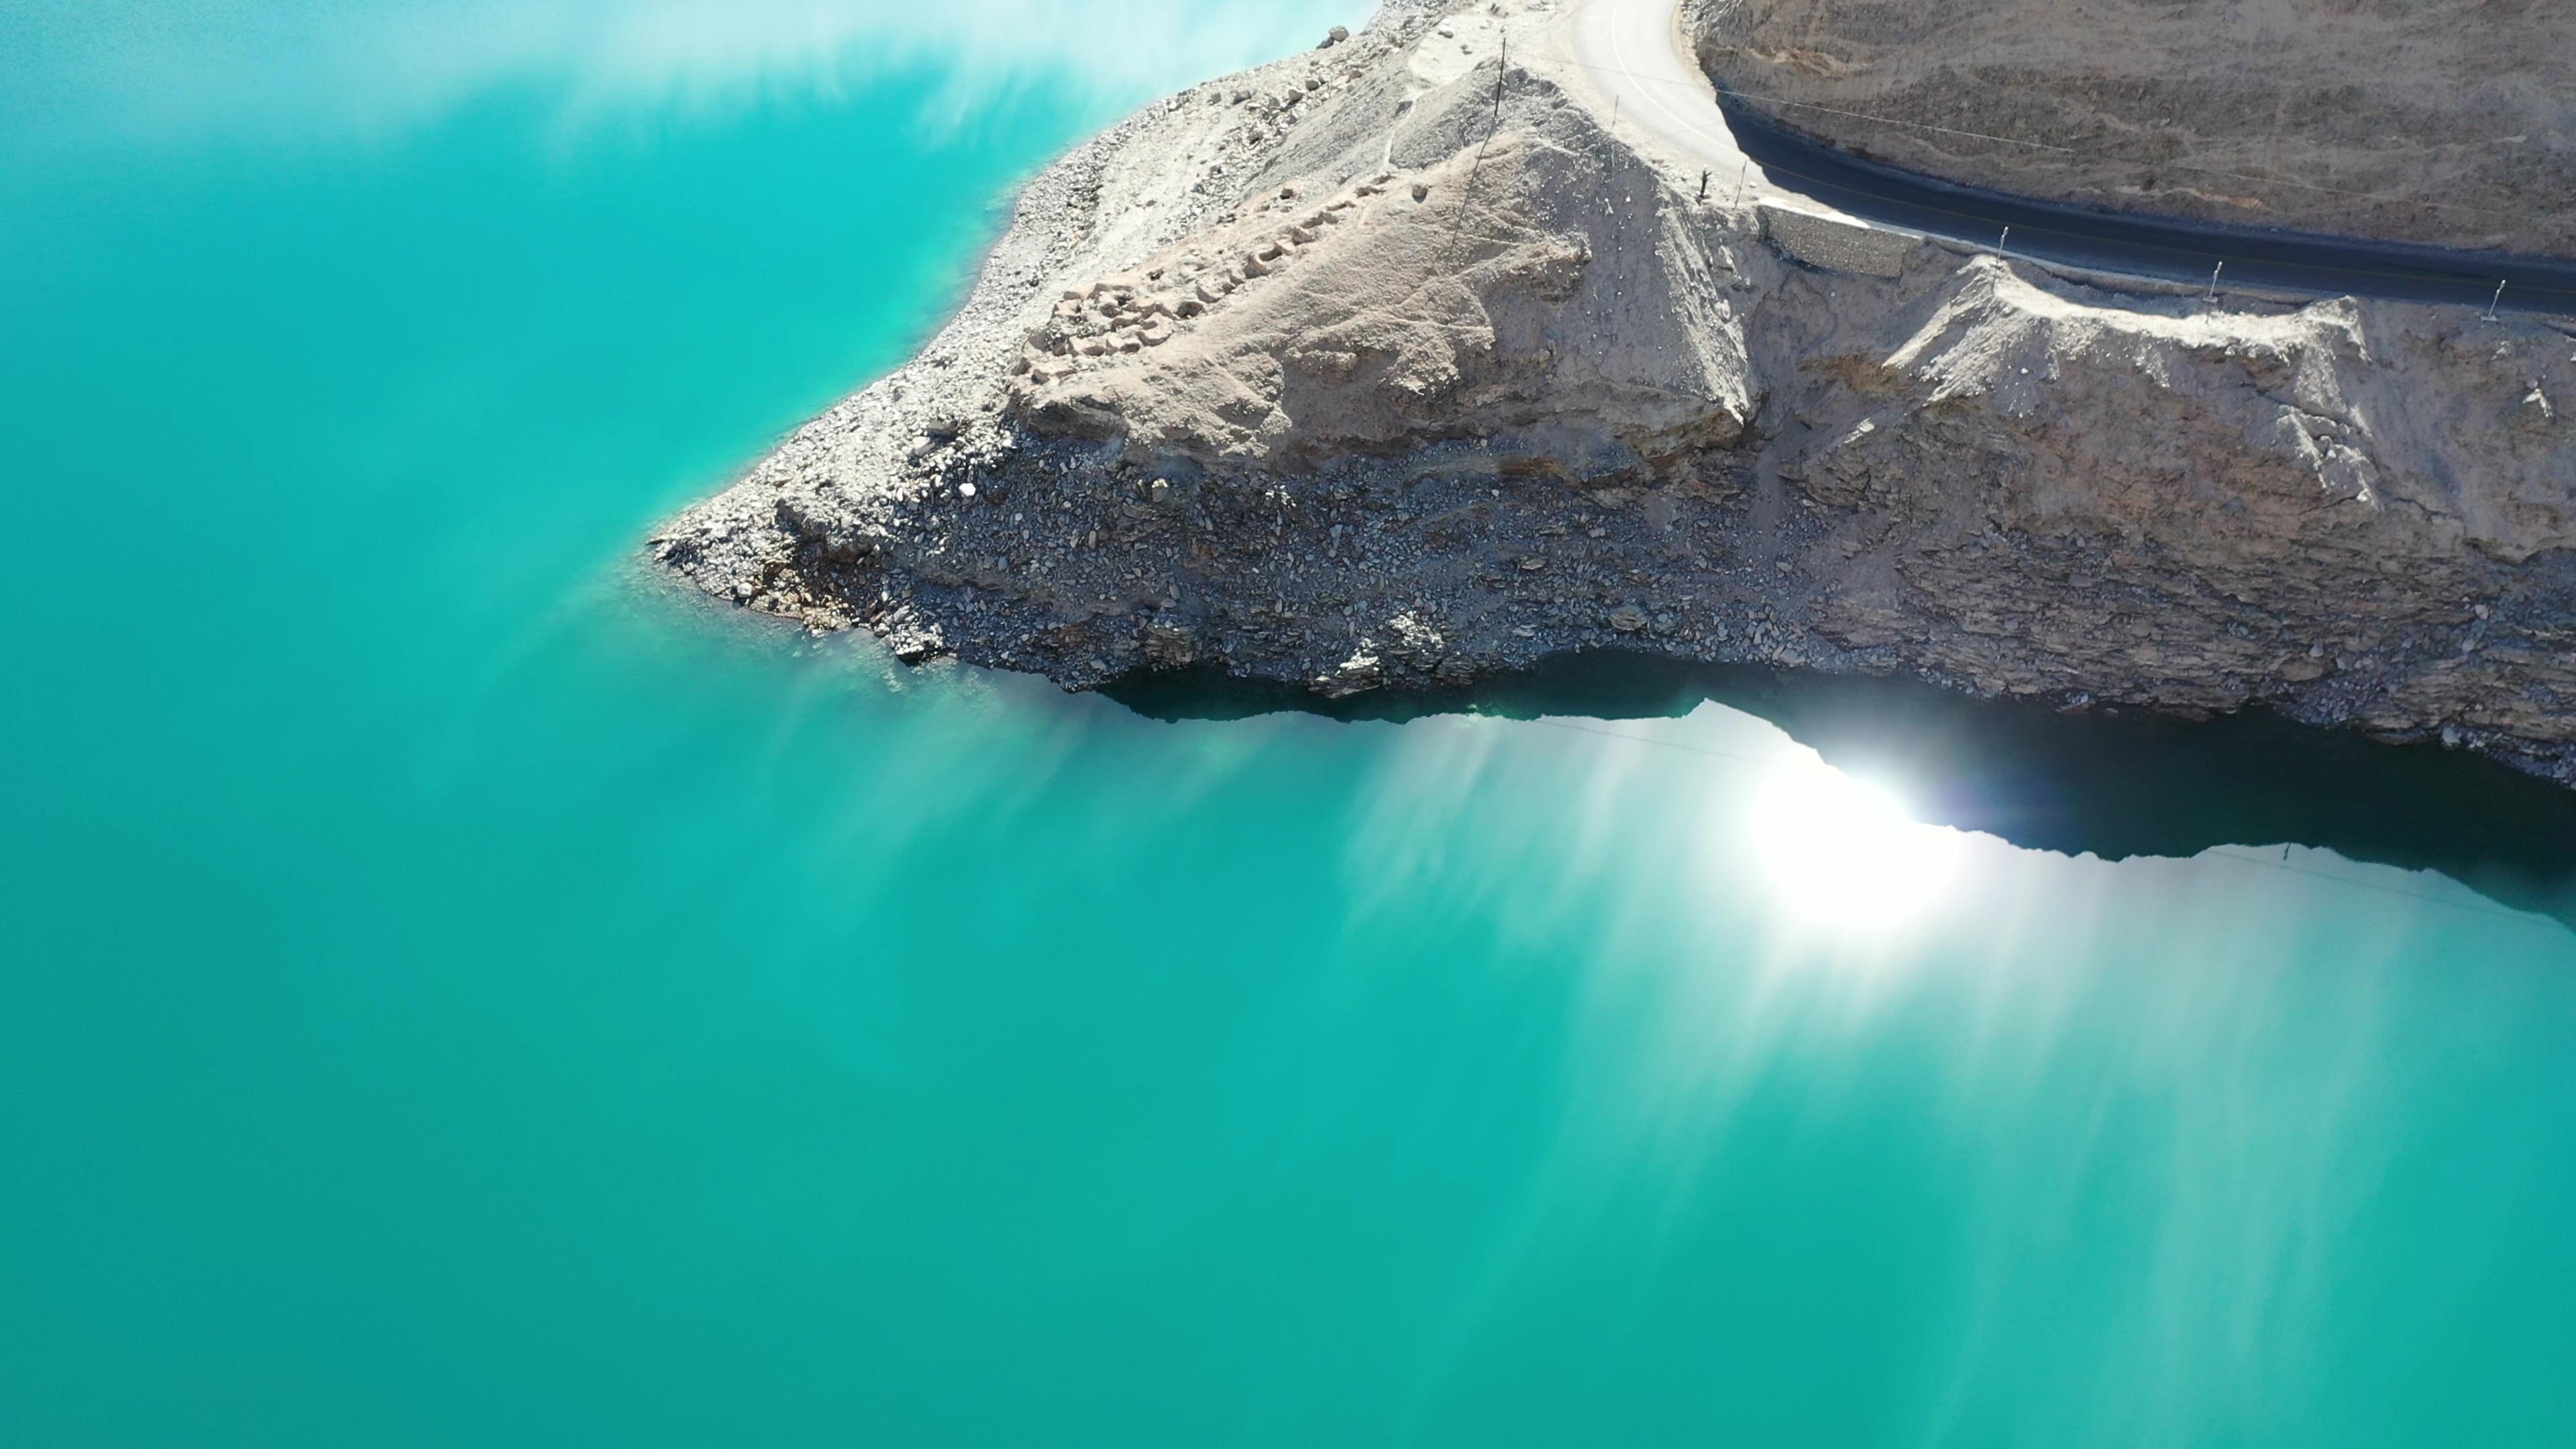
[2361, 510]
[2444, 121]
[1413, 371]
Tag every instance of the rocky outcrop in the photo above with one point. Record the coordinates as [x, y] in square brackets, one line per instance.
[2443, 121]
[2041, 489]
[1487, 295]
[1414, 372]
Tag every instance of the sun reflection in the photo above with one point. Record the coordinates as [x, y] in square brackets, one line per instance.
[1843, 853]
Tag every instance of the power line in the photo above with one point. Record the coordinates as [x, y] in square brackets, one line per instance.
[1667, 744]
[2198, 253]
[2202, 250]
[2285, 866]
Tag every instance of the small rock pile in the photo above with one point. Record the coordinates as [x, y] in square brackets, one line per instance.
[1133, 311]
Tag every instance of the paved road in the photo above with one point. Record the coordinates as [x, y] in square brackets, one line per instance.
[1633, 50]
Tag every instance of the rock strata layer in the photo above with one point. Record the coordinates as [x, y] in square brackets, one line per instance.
[2450, 122]
[1391, 366]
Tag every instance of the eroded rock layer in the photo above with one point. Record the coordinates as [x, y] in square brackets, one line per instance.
[2450, 122]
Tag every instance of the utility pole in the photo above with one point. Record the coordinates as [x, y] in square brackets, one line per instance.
[1999, 245]
[2491, 301]
[1740, 178]
[2213, 280]
[1703, 183]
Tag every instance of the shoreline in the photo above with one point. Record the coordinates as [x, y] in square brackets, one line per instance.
[1389, 366]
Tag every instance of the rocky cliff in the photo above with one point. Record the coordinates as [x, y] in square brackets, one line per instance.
[1393, 366]
[2443, 121]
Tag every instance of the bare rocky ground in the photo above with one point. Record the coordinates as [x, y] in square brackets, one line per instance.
[1390, 366]
[2444, 121]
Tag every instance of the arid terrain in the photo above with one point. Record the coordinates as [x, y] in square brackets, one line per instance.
[1394, 366]
[2442, 121]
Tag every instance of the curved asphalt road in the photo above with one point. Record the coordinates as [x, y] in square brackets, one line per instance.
[1634, 52]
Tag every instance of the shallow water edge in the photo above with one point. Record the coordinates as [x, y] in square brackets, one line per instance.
[2113, 783]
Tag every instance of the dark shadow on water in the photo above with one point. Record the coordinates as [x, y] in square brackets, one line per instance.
[2116, 785]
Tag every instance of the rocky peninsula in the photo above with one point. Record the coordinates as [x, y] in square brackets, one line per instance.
[1405, 362]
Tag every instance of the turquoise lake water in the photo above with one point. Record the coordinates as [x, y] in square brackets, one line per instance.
[460, 991]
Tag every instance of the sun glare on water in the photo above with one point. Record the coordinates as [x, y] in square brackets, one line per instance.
[1842, 853]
